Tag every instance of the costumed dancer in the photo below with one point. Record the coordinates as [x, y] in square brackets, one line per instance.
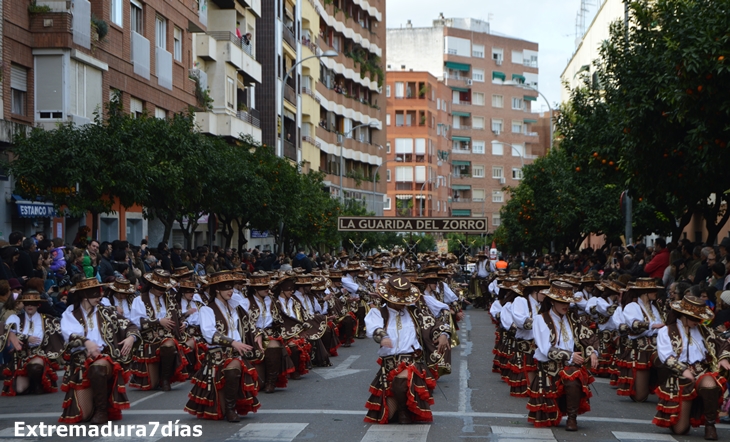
[564, 344]
[331, 307]
[494, 311]
[159, 360]
[509, 291]
[638, 374]
[408, 336]
[479, 284]
[347, 320]
[313, 312]
[37, 342]
[227, 384]
[357, 294]
[191, 337]
[524, 311]
[294, 326]
[602, 306]
[99, 348]
[693, 390]
[119, 294]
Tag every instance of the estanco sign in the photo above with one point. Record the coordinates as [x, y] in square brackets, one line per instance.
[388, 224]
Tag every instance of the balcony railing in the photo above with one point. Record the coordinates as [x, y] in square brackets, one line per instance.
[531, 134]
[163, 65]
[290, 95]
[463, 103]
[290, 150]
[311, 140]
[290, 38]
[461, 200]
[464, 151]
[251, 116]
[201, 75]
[308, 91]
[141, 55]
[403, 186]
[230, 36]
[461, 127]
[310, 44]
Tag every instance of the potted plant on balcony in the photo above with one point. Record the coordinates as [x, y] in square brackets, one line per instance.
[99, 28]
[34, 8]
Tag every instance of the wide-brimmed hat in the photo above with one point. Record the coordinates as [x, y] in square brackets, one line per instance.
[181, 272]
[352, 266]
[225, 277]
[320, 284]
[613, 285]
[188, 285]
[693, 306]
[560, 291]
[335, 274]
[377, 264]
[644, 285]
[398, 290]
[160, 278]
[445, 272]
[589, 279]
[303, 279]
[515, 273]
[30, 296]
[87, 286]
[537, 282]
[431, 276]
[259, 279]
[482, 254]
[284, 279]
[121, 285]
[512, 284]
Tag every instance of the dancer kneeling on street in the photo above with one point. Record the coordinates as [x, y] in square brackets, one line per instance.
[412, 343]
[564, 343]
[693, 354]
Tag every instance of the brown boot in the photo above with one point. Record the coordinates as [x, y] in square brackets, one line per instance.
[167, 366]
[573, 392]
[400, 393]
[272, 361]
[230, 391]
[100, 391]
[710, 404]
[35, 378]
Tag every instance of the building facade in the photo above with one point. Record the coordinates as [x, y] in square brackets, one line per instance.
[419, 166]
[493, 81]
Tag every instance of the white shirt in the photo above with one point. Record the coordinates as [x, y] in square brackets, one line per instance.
[287, 306]
[193, 319]
[602, 306]
[495, 309]
[618, 318]
[582, 303]
[542, 336]
[449, 295]
[139, 310]
[689, 354]
[404, 340]
[306, 302]
[523, 309]
[635, 312]
[349, 283]
[493, 287]
[434, 305]
[482, 268]
[505, 317]
[207, 321]
[126, 310]
[37, 322]
[71, 326]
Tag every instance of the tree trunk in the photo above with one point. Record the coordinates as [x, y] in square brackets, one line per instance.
[241, 234]
[95, 225]
[188, 230]
[683, 221]
[711, 214]
[168, 223]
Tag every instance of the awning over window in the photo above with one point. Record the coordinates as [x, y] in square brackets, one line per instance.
[458, 66]
[459, 89]
[518, 77]
[461, 186]
[529, 98]
[461, 114]
[461, 212]
[529, 121]
[461, 163]
[462, 139]
[500, 75]
[404, 197]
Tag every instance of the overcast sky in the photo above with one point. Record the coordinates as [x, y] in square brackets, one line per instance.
[550, 23]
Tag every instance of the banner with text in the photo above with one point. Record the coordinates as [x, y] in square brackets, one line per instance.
[390, 224]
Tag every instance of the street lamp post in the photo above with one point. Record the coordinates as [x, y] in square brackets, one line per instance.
[514, 149]
[326, 54]
[525, 86]
[342, 147]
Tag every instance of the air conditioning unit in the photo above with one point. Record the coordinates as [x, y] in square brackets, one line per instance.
[496, 131]
[468, 82]
[498, 61]
[502, 180]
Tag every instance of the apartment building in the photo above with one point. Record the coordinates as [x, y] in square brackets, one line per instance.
[419, 164]
[62, 60]
[493, 81]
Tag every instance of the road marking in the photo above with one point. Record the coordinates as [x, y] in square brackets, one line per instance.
[272, 432]
[145, 398]
[8, 435]
[401, 433]
[522, 434]
[343, 369]
[625, 436]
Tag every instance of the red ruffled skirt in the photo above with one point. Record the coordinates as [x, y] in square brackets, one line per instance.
[546, 403]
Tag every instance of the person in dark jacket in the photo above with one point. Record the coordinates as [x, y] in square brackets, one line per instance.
[106, 268]
[164, 253]
[175, 258]
[301, 260]
[24, 266]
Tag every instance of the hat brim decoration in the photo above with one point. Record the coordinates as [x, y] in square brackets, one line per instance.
[561, 291]
[86, 285]
[431, 277]
[226, 277]
[398, 290]
[165, 282]
[694, 307]
[121, 286]
[30, 296]
[320, 284]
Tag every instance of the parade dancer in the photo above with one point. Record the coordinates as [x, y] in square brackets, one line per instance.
[99, 348]
[347, 322]
[119, 294]
[227, 383]
[564, 344]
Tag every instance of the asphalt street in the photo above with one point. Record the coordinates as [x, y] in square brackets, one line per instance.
[328, 405]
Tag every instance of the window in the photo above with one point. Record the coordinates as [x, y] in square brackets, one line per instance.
[497, 196]
[404, 174]
[230, 92]
[399, 119]
[478, 147]
[18, 88]
[177, 37]
[420, 174]
[387, 175]
[498, 55]
[497, 126]
[403, 146]
[85, 90]
[116, 12]
[161, 32]
[387, 90]
[477, 171]
[477, 122]
[478, 99]
[496, 220]
[497, 101]
[518, 150]
[160, 113]
[497, 172]
[386, 204]
[516, 173]
[516, 127]
[497, 149]
[477, 75]
[477, 51]
[517, 103]
[387, 147]
[135, 18]
[477, 195]
[135, 107]
[387, 123]
[517, 57]
[399, 89]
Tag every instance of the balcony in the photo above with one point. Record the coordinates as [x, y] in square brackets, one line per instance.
[290, 150]
[461, 151]
[312, 141]
[306, 42]
[238, 54]
[163, 67]
[404, 186]
[201, 77]
[461, 200]
[227, 125]
[290, 38]
[461, 127]
[290, 95]
[251, 116]
[141, 55]
[531, 134]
